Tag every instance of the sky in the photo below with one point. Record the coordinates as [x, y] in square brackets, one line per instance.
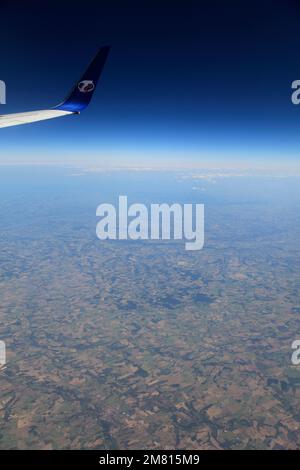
[186, 83]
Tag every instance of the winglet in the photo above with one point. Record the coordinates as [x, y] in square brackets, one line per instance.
[82, 92]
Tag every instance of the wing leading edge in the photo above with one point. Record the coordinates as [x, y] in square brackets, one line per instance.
[77, 100]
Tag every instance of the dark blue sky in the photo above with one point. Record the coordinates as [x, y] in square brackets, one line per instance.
[200, 80]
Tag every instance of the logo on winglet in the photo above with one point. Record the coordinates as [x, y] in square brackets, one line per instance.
[86, 86]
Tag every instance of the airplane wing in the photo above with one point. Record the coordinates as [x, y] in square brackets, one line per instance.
[76, 101]
[8, 120]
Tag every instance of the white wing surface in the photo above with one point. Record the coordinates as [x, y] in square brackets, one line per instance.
[8, 120]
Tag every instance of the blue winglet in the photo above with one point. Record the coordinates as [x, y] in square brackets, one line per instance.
[82, 92]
